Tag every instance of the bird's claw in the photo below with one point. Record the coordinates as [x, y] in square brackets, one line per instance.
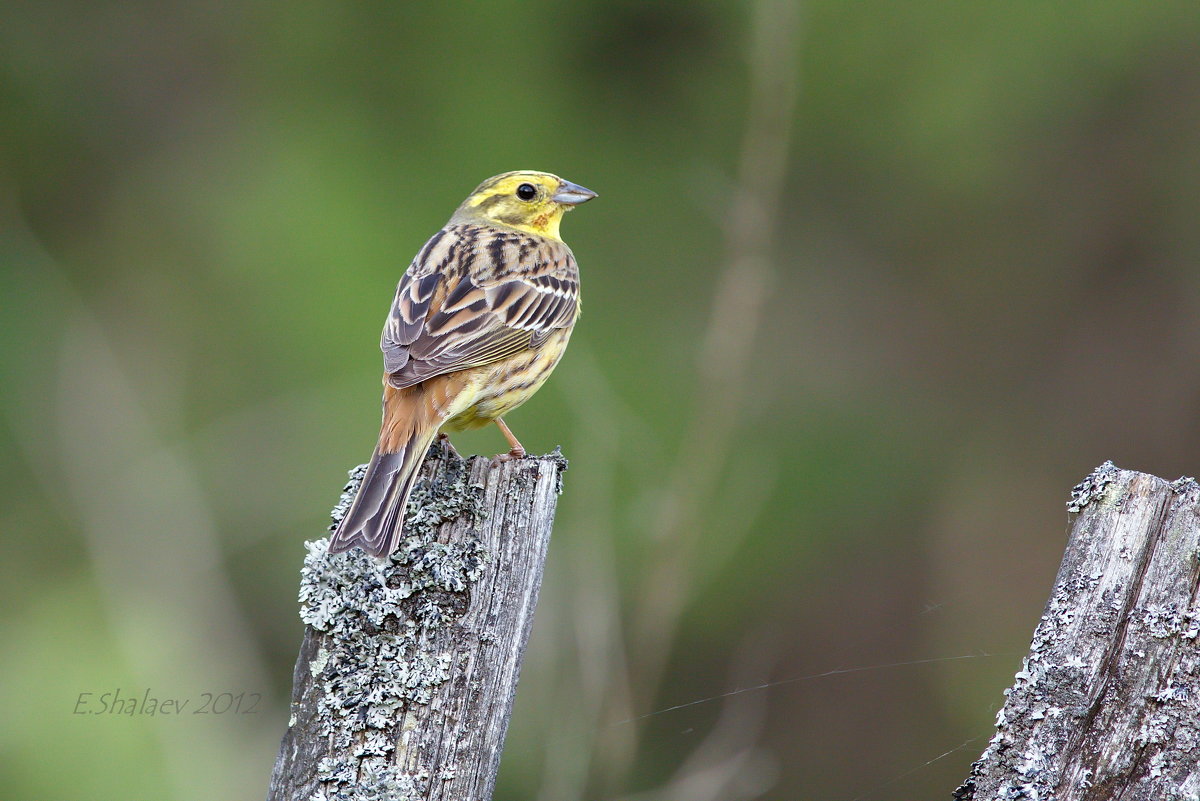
[513, 455]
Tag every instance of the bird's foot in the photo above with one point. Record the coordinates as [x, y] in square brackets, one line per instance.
[518, 450]
[514, 454]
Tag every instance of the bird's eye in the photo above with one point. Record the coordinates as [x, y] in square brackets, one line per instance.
[527, 191]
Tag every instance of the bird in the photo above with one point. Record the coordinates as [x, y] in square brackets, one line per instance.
[480, 318]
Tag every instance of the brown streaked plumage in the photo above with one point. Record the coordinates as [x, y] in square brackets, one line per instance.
[480, 319]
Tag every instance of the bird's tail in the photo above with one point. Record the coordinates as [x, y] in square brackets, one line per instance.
[375, 519]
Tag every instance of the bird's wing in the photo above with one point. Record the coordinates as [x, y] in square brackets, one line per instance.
[448, 319]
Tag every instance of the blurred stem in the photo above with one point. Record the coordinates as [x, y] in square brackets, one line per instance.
[583, 750]
[728, 345]
[150, 532]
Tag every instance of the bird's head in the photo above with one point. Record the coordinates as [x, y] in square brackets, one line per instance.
[533, 202]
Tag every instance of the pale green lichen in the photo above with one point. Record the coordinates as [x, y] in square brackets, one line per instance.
[378, 618]
[319, 662]
[1093, 487]
[1183, 484]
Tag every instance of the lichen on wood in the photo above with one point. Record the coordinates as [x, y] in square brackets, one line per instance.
[406, 675]
[1107, 702]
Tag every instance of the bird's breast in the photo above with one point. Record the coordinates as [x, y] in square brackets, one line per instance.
[503, 386]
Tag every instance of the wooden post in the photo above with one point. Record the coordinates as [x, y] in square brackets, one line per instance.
[407, 672]
[1107, 703]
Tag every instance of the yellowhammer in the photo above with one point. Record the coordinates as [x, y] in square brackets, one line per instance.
[481, 317]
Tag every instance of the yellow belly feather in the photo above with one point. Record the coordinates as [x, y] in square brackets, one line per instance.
[497, 389]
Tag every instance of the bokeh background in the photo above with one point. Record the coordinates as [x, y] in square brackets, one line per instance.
[869, 286]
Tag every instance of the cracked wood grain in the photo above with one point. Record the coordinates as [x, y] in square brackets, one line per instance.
[407, 672]
[1107, 703]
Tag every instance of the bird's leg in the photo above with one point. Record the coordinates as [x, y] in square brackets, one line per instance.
[518, 450]
[444, 439]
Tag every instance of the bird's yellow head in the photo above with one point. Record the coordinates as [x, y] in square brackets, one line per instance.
[533, 202]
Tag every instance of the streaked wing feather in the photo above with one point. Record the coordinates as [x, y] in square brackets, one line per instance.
[406, 321]
[446, 321]
[479, 353]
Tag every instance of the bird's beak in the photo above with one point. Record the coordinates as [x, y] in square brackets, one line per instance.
[570, 194]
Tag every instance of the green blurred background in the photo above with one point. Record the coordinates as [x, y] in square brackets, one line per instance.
[980, 282]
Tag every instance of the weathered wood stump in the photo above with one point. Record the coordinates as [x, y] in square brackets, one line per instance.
[406, 676]
[1107, 703]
